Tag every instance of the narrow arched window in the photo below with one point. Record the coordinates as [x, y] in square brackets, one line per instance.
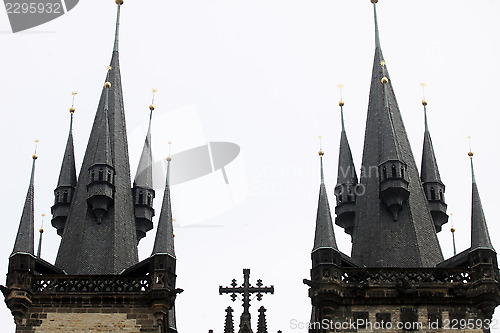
[384, 173]
[65, 196]
[433, 194]
[393, 171]
[101, 174]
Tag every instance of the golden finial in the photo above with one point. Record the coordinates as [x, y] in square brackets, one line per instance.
[108, 84]
[373, 1]
[169, 158]
[41, 227]
[35, 156]
[321, 152]
[424, 101]
[152, 106]
[341, 102]
[72, 108]
[452, 229]
[384, 79]
[119, 2]
[470, 148]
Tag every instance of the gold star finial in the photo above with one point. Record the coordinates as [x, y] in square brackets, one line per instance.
[321, 153]
[72, 108]
[341, 102]
[152, 106]
[424, 101]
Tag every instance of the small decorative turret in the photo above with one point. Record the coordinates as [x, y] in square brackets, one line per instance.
[431, 180]
[393, 180]
[100, 190]
[63, 194]
[229, 323]
[262, 323]
[347, 181]
[143, 185]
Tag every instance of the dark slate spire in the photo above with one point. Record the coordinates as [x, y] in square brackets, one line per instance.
[25, 242]
[108, 247]
[480, 237]
[229, 323]
[64, 192]
[164, 242]
[431, 180]
[347, 180]
[143, 186]
[324, 236]
[393, 226]
[262, 323]
[144, 175]
[41, 231]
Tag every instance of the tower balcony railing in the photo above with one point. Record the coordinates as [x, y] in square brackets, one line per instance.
[90, 284]
[390, 276]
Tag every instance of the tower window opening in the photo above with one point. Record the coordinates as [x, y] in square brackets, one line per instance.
[141, 197]
[149, 199]
[384, 173]
[394, 175]
[92, 175]
[433, 193]
[109, 176]
[101, 174]
[65, 196]
[57, 197]
[441, 196]
[402, 172]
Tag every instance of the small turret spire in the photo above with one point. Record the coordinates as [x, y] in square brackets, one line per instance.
[262, 322]
[41, 231]
[63, 194]
[429, 174]
[341, 104]
[480, 237]
[321, 153]
[324, 236]
[164, 242]
[347, 179]
[25, 242]
[143, 185]
[117, 31]
[229, 323]
[452, 230]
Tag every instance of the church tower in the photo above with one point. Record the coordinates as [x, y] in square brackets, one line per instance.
[97, 281]
[396, 278]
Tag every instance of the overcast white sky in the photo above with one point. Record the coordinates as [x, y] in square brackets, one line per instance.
[264, 75]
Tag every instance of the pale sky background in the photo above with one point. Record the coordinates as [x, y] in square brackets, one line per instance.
[264, 75]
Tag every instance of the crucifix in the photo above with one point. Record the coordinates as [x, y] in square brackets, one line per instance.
[246, 290]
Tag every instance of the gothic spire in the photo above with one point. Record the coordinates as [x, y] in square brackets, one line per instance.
[67, 176]
[143, 185]
[480, 237]
[41, 231]
[144, 174]
[324, 236]
[262, 323]
[63, 194]
[229, 323]
[25, 242]
[387, 217]
[105, 245]
[346, 173]
[347, 180]
[164, 242]
[431, 180]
